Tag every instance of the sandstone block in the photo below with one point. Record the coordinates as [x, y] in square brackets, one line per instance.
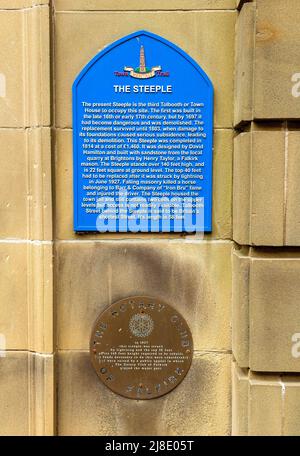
[240, 386]
[267, 63]
[194, 277]
[265, 189]
[26, 319]
[25, 64]
[26, 394]
[25, 184]
[266, 310]
[203, 398]
[208, 38]
[149, 5]
[264, 404]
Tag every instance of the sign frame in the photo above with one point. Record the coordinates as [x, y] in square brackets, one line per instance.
[78, 228]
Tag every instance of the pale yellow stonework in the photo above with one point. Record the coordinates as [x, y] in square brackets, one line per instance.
[195, 277]
[266, 309]
[265, 186]
[240, 297]
[208, 38]
[244, 56]
[240, 305]
[264, 404]
[138, 5]
[239, 401]
[25, 66]
[26, 394]
[21, 4]
[26, 294]
[203, 399]
[25, 184]
[265, 287]
[267, 61]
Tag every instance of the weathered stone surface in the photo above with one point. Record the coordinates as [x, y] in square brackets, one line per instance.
[264, 404]
[276, 59]
[244, 55]
[259, 186]
[270, 298]
[208, 38]
[274, 312]
[292, 172]
[291, 422]
[26, 394]
[203, 399]
[222, 185]
[242, 188]
[194, 277]
[25, 184]
[265, 188]
[25, 66]
[241, 263]
[18, 4]
[267, 64]
[267, 191]
[239, 400]
[26, 318]
[149, 5]
[240, 306]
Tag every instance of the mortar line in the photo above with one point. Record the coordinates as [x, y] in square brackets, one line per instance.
[140, 240]
[141, 11]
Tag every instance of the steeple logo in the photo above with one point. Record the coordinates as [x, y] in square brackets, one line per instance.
[142, 72]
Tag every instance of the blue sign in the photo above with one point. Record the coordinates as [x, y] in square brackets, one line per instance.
[142, 138]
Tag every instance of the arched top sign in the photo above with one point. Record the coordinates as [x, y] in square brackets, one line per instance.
[139, 35]
[142, 138]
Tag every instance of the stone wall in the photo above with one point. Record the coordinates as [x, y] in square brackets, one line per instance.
[266, 229]
[26, 239]
[238, 287]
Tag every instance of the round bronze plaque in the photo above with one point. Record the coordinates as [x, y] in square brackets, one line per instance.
[141, 347]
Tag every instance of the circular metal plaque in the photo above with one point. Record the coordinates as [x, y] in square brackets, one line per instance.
[141, 347]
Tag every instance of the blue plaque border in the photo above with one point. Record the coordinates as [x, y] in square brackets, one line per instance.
[210, 109]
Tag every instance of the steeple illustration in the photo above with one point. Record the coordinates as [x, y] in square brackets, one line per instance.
[142, 60]
[142, 72]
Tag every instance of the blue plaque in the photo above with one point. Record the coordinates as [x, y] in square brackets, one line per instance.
[142, 138]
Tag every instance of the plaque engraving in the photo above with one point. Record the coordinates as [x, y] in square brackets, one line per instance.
[142, 139]
[141, 347]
